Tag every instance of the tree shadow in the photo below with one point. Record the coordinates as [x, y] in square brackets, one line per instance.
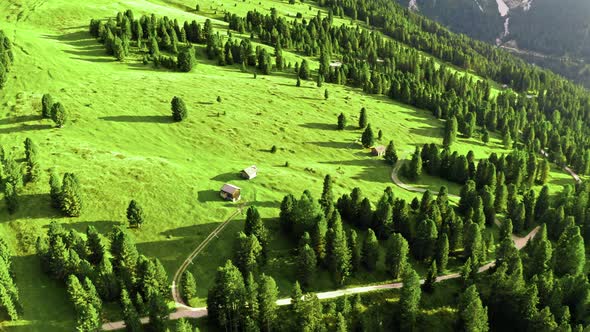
[322, 126]
[334, 145]
[225, 177]
[20, 119]
[24, 127]
[103, 226]
[86, 47]
[208, 196]
[139, 118]
[34, 206]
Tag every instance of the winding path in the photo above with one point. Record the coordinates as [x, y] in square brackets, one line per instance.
[185, 311]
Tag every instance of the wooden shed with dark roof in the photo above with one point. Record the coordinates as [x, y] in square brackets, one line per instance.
[229, 192]
[378, 150]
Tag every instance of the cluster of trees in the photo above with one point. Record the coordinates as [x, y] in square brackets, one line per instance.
[150, 35]
[54, 111]
[13, 174]
[238, 302]
[66, 195]
[520, 167]
[99, 270]
[6, 58]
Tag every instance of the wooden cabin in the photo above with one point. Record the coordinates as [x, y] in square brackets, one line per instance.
[249, 173]
[229, 192]
[378, 151]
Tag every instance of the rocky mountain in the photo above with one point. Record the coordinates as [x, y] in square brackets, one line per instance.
[555, 34]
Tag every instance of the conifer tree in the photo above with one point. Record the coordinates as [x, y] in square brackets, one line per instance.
[327, 194]
[569, 252]
[179, 111]
[414, 169]
[341, 121]
[338, 253]
[46, 105]
[11, 198]
[55, 190]
[390, 154]
[255, 226]
[363, 118]
[450, 134]
[442, 252]
[306, 261]
[396, 257]
[428, 285]
[58, 114]
[157, 311]
[370, 250]
[304, 72]
[267, 301]
[186, 60]
[247, 253]
[368, 138]
[409, 299]
[227, 291]
[474, 316]
[355, 248]
[71, 199]
[188, 286]
[134, 214]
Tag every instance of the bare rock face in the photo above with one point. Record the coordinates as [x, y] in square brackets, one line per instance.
[513, 4]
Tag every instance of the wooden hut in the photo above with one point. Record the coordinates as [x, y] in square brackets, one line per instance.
[249, 173]
[378, 151]
[229, 192]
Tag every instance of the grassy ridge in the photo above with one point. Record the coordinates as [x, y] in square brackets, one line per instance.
[121, 143]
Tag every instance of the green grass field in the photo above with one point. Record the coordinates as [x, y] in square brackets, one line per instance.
[122, 144]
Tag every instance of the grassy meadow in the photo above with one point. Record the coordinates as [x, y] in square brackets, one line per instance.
[122, 144]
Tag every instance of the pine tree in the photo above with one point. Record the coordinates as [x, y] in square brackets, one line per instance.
[134, 214]
[370, 250]
[428, 285]
[363, 118]
[474, 316]
[569, 252]
[46, 105]
[306, 261]
[472, 242]
[368, 138]
[188, 286]
[247, 253]
[182, 325]
[11, 198]
[58, 114]
[507, 139]
[414, 170]
[71, 199]
[341, 325]
[341, 121]
[55, 190]
[425, 243]
[157, 312]
[304, 72]
[327, 194]
[228, 290]
[338, 253]
[409, 299]
[179, 111]
[442, 252]
[186, 60]
[396, 257]
[355, 248]
[326, 95]
[255, 226]
[390, 154]
[451, 128]
[267, 300]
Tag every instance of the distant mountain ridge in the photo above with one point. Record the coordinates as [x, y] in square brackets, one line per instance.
[555, 34]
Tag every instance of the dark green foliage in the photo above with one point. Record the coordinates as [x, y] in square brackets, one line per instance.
[390, 154]
[55, 190]
[188, 286]
[473, 315]
[426, 235]
[157, 311]
[273, 149]
[134, 214]
[368, 137]
[304, 71]
[58, 114]
[327, 194]
[11, 197]
[370, 250]
[450, 134]
[428, 285]
[268, 293]
[247, 253]
[413, 170]
[363, 118]
[70, 196]
[255, 226]
[306, 262]
[355, 248]
[409, 300]
[179, 111]
[186, 60]
[569, 252]
[46, 105]
[337, 252]
[396, 257]
[228, 290]
[442, 252]
[341, 121]
[326, 95]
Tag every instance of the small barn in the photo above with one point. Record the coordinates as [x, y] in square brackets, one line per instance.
[250, 172]
[378, 151]
[229, 192]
